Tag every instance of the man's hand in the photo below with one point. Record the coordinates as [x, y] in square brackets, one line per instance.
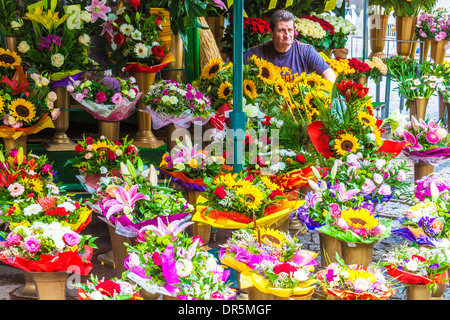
[329, 75]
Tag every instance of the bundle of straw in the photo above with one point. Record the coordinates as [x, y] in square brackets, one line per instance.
[208, 46]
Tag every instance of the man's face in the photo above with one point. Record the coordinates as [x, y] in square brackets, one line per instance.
[283, 35]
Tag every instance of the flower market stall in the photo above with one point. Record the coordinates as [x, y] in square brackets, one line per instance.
[239, 180]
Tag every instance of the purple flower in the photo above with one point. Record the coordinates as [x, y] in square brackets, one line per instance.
[111, 82]
[44, 43]
[198, 95]
[55, 39]
[47, 169]
[330, 275]
[189, 95]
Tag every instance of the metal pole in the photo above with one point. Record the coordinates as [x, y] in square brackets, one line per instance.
[238, 118]
[365, 29]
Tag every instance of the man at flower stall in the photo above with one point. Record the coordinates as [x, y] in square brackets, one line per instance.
[291, 56]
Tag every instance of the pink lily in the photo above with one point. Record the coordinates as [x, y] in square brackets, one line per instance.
[186, 151]
[343, 194]
[124, 201]
[189, 253]
[412, 140]
[98, 9]
[173, 228]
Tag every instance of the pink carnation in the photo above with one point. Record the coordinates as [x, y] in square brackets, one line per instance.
[32, 245]
[117, 98]
[71, 239]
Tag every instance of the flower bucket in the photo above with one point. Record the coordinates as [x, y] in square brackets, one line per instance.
[29, 289]
[340, 53]
[198, 229]
[109, 129]
[282, 224]
[11, 43]
[418, 292]
[437, 50]
[11, 143]
[255, 294]
[422, 170]
[119, 249]
[362, 80]
[357, 253]
[50, 285]
[405, 27]
[412, 108]
[447, 106]
[377, 34]
[439, 293]
[149, 296]
[421, 107]
[329, 246]
[303, 297]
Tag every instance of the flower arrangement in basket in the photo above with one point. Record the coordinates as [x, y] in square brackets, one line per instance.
[135, 44]
[354, 282]
[417, 265]
[166, 261]
[43, 247]
[181, 104]
[133, 200]
[256, 31]
[107, 98]
[315, 31]
[111, 289]
[188, 166]
[433, 25]
[426, 141]
[335, 132]
[248, 247]
[47, 209]
[233, 201]
[26, 102]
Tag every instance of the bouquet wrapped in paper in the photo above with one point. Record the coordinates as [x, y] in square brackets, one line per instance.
[187, 166]
[107, 98]
[134, 200]
[43, 247]
[248, 247]
[235, 201]
[112, 289]
[354, 282]
[175, 265]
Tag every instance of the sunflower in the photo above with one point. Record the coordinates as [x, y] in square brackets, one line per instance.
[313, 80]
[2, 104]
[354, 274]
[103, 146]
[293, 88]
[250, 196]
[228, 66]
[346, 143]
[359, 218]
[311, 103]
[366, 119]
[281, 88]
[266, 72]
[227, 179]
[270, 236]
[378, 138]
[269, 184]
[211, 69]
[224, 90]
[250, 89]
[22, 110]
[9, 58]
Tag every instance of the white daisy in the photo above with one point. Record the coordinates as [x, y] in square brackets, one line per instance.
[141, 50]
[32, 209]
[126, 29]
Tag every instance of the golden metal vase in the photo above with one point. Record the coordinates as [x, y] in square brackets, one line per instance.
[29, 289]
[11, 43]
[377, 33]
[255, 294]
[412, 108]
[421, 107]
[50, 285]
[60, 141]
[109, 129]
[198, 229]
[177, 49]
[417, 292]
[11, 143]
[144, 137]
[357, 253]
[437, 50]
[447, 106]
[362, 80]
[405, 27]
[425, 48]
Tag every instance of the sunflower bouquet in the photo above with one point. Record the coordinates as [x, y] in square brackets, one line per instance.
[417, 265]
[107, 98]
[47, 247]
[166, 261]
[169, 101]
[26, 102]
[48, 209]
[426, 141]
[355, 282]
[234, 201]
[111, 289]
[58, 46]
[133, 32]
[248, 247]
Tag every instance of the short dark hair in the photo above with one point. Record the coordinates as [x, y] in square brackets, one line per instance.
[280, 15]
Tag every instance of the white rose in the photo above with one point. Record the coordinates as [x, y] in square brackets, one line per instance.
[84, 39]
[85, 16]
[412, 265]
[57, 60]
[23, 47]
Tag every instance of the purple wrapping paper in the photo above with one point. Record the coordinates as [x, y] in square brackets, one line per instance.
[408, 235]
[183, 184]
[434, 156]
[66, 81]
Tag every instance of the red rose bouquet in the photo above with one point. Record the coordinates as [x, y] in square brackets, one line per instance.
[113, 289]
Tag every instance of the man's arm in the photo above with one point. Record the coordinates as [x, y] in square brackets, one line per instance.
[329, 75]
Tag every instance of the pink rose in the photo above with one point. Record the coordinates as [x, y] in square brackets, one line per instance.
[71, 239]
[79, 97]
[385, 190]
[341, 223]
[32, 245]
[368, 186]
[401, 175]
[335, 211]
[100, 97]
[13, 239]
[117, 98]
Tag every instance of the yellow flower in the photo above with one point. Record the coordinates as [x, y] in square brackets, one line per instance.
[49, 20]
[359, 218]
[280, 88]
[366, 119]
[346, 143]
[270, 236]
[211, 69]
[378, 137]
[266, 72]
[103, 146]
[250, 196]
[2, 104]
[227, 179]
[22, 110]
[9, 59]
[250, 89]
[193, 163]
[269, 184]
[224, 90]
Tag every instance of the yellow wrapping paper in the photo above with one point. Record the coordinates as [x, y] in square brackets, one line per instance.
[8, 132]
[63, 74]
[286, 208]
[250, 279]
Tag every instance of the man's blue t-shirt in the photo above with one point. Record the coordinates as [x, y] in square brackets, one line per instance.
[299, 58]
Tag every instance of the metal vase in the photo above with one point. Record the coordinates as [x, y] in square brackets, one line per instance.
[144, 137]
[198, 229]
[421, 107]
[11, 43]
[11, 143]
[447, 106]
[119, 250]
[29, 289]
[362, 80]
[412, 108]
[294, 297]
[255, 294]
[437, 50]
[377, 33]
[425, 48]
[405, 27]
[50, 285]
[109, 129]
[357, 253]
[175, 69]
[417, 292]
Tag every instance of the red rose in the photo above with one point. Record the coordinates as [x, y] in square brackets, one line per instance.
[100, 97]
[420, 258]
[118, 39]
[284, 267]
[220, 192]
[156, 257]
[59, 211]
[129, 150]
[111, 155]
[158, 19]
[267, 122]
[275, 193]
[158, 51]
[89, 140]
[135, 3]
[108, 287]
[79, 148]
[300, 158]
[260, 161]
